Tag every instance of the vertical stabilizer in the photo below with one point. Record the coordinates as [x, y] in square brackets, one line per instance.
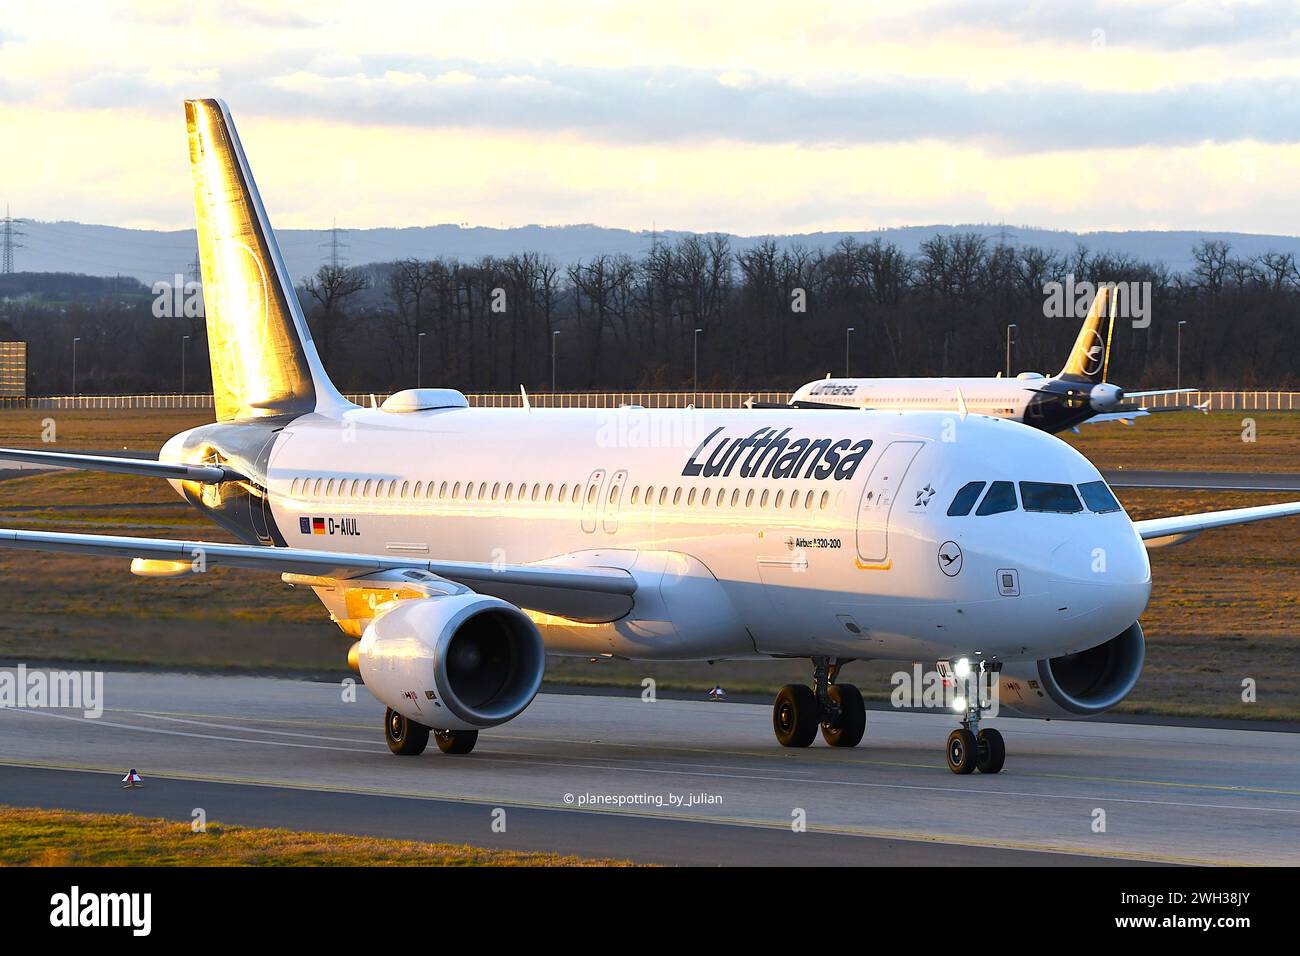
[1089, 359]
[263, 359]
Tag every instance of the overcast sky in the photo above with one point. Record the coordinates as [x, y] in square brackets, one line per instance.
[742, 116]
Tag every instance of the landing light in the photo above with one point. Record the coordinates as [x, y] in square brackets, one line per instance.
[959, 704]
[962, 668]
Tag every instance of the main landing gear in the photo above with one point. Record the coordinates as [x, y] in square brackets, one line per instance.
[406, 738]
[969, 747]
[799, 710]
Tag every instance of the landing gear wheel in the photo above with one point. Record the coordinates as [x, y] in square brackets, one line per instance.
[992, 751]
[847, 729]
[963, 751]
[405, 737]
[795, 715]
[456, 741]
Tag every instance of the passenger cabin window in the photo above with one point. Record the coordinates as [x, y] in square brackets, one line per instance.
[1050, 497]
[1098, 497]
[1001, 497]
[965, 499]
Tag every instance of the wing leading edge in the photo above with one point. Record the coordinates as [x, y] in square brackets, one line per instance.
[204, 474]
[580, 593]
[1163, 532]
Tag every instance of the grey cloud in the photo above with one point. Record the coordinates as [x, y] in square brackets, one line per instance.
[666, 106]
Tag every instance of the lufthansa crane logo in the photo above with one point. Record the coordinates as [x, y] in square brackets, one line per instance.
[950, 558]
[1094, 353]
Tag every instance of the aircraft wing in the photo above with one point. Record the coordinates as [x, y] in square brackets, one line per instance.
[1159, 391]
[205, 474]
[1127, 416]
[581, 593]
[1164, 532]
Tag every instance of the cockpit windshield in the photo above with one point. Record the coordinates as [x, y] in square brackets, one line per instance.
[966, 498]
[1001, 497]
[1038, 496]
[1048, 496]
[1098, 497]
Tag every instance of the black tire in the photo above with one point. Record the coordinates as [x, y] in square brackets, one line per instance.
[963, 751]
[795, 715]
[848, 728]
[992, 751]
[455, 741]
[405, 737]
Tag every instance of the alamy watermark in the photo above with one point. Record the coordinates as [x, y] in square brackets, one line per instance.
[934, 690]
[21, 689]
[1070, 299]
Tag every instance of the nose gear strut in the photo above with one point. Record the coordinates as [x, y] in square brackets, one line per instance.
[969, 747]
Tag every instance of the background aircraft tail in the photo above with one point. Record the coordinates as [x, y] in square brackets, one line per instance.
[263, 359]
[1090, 358]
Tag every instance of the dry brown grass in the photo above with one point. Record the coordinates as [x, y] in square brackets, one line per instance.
[1181, 441]
[31, 837]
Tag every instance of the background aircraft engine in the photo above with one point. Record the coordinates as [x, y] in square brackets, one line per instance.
[1105, 397]
[454, 662]
[1076, 685]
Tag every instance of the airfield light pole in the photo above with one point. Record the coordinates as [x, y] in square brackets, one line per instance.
[695, 395]
[1010, 329]
[74, 364]
[1178, 374]
[419, 358]
[185, 341]
[553, 341]
[847, 332]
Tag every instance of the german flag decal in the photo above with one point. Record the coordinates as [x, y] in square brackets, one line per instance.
[311, 525]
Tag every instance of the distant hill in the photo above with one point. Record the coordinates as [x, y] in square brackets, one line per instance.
[150, 255]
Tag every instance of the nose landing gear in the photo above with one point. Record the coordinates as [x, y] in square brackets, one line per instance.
[970, 748]
[837, 709]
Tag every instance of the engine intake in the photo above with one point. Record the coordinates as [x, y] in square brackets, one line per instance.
[1085, 684]
[454, 662]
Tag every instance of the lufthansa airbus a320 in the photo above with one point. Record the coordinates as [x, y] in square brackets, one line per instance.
[456, 546]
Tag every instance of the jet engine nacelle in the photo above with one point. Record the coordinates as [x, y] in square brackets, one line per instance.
[460, 661]
[1085, 684]
[1104, 397]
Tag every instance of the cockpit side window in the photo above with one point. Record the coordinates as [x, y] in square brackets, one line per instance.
[1001, 497]
[1098, 497]
[1048, 496]
[966, 498]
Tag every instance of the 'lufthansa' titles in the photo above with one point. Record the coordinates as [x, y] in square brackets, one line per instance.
[768, 453]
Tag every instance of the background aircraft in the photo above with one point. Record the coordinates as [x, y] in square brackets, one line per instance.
[1078, 393]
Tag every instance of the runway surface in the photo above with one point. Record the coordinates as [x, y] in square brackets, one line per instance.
[273, 752]
[1203, 480]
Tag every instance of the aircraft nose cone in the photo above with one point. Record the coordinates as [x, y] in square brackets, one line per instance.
[1109, 574]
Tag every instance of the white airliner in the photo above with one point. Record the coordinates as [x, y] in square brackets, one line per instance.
[455, 546]
[1077, 394]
